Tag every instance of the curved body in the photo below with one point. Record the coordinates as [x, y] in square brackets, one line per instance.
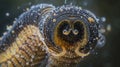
[51, 37]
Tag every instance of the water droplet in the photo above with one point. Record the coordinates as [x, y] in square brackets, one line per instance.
[101, 41]
[7, 14]
[102, 30]
[4, 33]
[103, 19]
[108, 27]
[9, 27]
[54, 20]
[13, 31]
[27, 9]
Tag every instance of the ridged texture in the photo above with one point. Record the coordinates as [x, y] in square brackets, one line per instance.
[21, 46]
[32, 41]
[26, 51]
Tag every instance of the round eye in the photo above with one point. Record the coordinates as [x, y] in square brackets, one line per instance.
[75, 32]
[66, 32]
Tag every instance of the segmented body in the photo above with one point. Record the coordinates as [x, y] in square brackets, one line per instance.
[21, 46]
[33, 39]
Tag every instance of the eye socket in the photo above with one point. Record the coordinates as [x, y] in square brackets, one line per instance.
[66, 32]
[64, 27]
[75, 32]
[78, 29]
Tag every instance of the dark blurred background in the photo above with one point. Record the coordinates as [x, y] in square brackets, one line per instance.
[107, 56]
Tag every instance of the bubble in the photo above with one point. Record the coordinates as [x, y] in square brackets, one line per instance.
[103, 19]
[54, 20]
[102, 30]
[7, 14]
[27, 9]
[108, 28]
[9, 27]
[101, 41]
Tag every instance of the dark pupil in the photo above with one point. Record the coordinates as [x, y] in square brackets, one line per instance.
[79, 26]
[71, 38]
[63, 26]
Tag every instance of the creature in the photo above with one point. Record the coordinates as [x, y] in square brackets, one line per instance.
[51, 36]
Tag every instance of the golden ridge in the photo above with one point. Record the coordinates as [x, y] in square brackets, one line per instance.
[19, 52]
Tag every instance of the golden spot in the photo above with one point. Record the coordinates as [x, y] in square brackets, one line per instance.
[54, 20]
[91, 20]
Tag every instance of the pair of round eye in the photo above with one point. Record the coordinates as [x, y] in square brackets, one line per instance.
[67, 32]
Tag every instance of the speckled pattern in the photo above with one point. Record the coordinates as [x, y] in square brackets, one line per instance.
[36, 38]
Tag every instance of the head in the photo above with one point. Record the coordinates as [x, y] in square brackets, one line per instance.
[70, 32]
